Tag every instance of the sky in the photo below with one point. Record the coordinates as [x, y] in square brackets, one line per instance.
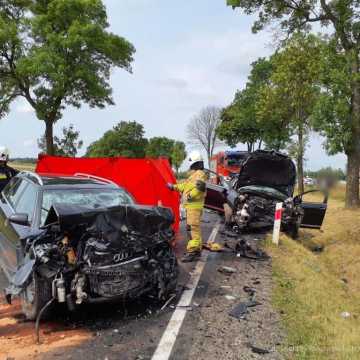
[189, 54]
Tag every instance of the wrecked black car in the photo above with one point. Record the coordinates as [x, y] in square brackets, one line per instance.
[249, 199]
[81, 240]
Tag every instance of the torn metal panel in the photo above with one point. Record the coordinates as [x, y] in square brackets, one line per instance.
[96, 255]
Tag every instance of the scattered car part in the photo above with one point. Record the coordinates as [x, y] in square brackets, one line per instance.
[240, 310]
[258, 350]
[227, 270]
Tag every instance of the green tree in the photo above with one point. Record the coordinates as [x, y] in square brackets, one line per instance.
[332, 115]
[67, 145]
[165, 147]
[292, 92]
[342, 17]
[178, 155]
[159, 146]
[125, 139]
[240, 122]
[55, 53]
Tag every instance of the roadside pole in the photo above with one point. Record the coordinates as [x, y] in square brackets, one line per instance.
[277, 223]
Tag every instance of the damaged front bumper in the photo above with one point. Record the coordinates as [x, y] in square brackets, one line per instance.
[87, 255]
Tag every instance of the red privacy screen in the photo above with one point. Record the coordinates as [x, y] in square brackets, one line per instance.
[145, 179]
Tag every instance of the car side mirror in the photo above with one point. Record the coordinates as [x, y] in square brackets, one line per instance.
[20, 219]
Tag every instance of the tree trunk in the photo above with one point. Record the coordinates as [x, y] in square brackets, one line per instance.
[300, 159]
[353, 155]
[352, 181]
[49, 137]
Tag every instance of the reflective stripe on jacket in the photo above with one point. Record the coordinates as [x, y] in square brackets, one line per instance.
[193, 189]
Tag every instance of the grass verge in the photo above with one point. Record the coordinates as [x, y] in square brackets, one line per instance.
[23, 166]
[313, 291]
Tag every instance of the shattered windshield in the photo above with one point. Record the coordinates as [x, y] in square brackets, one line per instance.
[91, 198]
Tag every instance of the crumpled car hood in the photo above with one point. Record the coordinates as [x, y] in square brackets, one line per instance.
[263, 191]
[86, 240]
[270, 169]
[140, 218]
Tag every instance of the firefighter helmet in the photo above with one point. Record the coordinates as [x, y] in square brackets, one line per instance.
[4, 154]
[195, 157]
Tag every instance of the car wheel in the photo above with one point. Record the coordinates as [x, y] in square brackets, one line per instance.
[294, 231]
[35, 296]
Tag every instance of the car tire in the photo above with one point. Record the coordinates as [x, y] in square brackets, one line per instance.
[34, 297]
[294, 231]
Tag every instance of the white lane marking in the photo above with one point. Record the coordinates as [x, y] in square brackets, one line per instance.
[167, 341]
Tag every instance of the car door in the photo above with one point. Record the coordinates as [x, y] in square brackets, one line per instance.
[314, 212]
[215, 197]
[19, 196]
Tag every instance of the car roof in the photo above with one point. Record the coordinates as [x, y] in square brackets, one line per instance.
[65, 181]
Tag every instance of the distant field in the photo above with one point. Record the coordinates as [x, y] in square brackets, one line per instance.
[314, 291]
[23, 166]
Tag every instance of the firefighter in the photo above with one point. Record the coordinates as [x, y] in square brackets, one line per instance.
[6, 172]
[193, 191]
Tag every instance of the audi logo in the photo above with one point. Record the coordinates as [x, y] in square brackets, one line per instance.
[121, 256]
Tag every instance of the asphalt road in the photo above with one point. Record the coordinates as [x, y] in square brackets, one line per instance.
[134, 330]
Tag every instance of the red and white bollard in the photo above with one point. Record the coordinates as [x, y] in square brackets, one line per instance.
[277, 223]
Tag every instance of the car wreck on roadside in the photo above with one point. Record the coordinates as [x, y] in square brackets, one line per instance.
[249, 199]
[83, 240]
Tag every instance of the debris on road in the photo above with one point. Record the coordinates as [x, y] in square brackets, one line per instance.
[258, 350]
[227, 270]
[168, 302]
[240, 310]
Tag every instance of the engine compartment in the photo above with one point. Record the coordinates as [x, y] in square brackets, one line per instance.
[96, 255]
[257, 210]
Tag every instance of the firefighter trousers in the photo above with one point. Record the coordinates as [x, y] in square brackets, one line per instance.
[193, 228]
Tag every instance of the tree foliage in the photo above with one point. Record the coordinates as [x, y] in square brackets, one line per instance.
[292, 92]
[125, 139]
[169, 148]
[332, 115]
[159, 146]
[55, 53]
[342, 17]
[239, 121]
[67, 145]
[202, 129]
[178, 155]
[243, 123]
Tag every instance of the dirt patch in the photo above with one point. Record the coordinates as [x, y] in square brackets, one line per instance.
[17, 337]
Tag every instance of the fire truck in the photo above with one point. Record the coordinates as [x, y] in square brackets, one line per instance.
[227, 163]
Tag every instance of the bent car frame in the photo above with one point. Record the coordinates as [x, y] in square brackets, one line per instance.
[77, 239]
[248, 200]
